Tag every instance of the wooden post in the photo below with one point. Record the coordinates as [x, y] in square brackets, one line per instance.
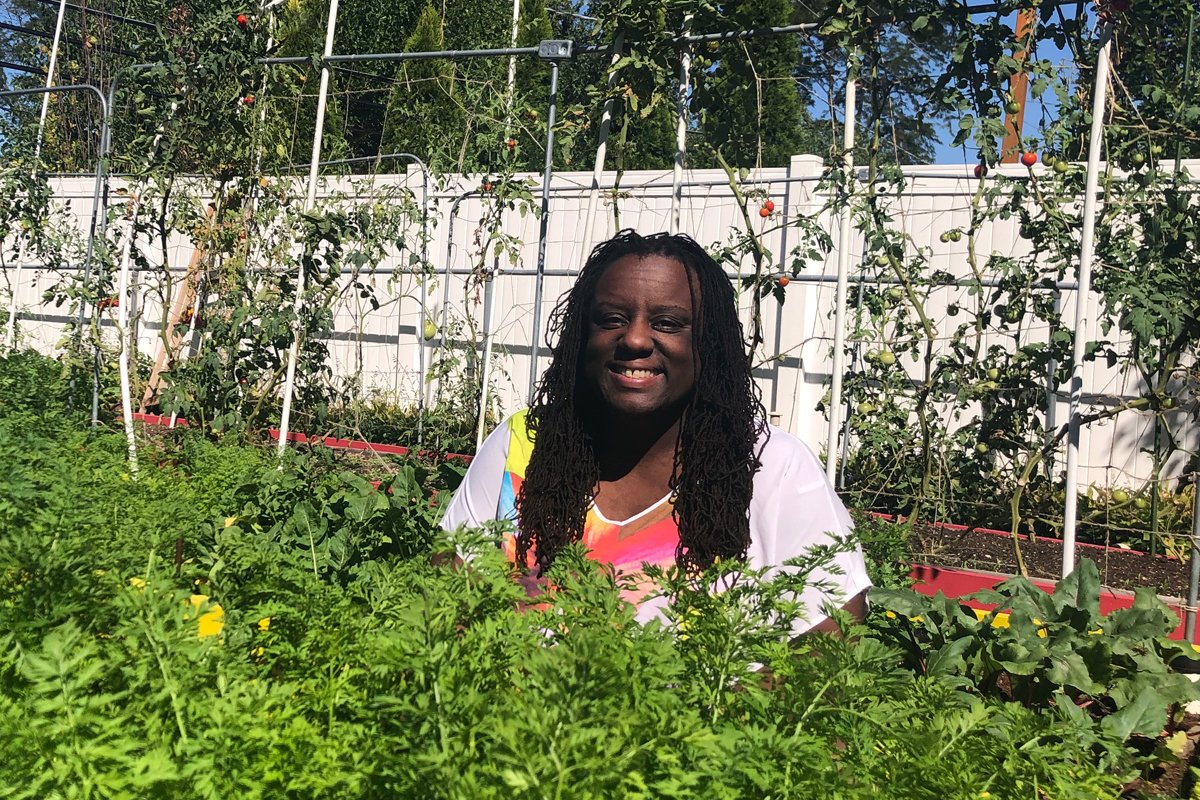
[1018, 87]
[182, 310]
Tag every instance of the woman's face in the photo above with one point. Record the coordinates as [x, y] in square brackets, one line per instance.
[639, 359]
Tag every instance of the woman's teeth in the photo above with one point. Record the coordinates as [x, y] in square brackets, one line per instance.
[637, 373]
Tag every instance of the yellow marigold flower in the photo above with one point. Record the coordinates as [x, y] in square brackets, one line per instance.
[683, 637]
[264, 624]
[211, 622]
[137, 583]
[890, 614]
[917, 618]
[230, 521]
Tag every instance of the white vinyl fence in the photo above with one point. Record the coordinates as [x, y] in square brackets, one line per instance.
[387, 349]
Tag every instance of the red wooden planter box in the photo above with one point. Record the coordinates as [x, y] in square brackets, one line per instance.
[332, 442]
[954, 582]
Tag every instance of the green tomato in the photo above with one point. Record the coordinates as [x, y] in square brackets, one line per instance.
[1141, 502]
[993, 374]
[1012, 107]
[1120, 496]
[955, 235]
[882, 260]
[1061, 167]
[430, 330]
[865, 408]
[887, 358]
[895, 293]
[981, 448]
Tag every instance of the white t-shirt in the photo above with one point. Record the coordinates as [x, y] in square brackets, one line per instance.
[792, 508]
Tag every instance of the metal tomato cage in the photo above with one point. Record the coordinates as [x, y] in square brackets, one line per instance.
[555, 52]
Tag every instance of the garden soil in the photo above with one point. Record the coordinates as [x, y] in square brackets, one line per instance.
[1119, 569]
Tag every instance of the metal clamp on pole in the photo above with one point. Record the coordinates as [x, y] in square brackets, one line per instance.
[556, 49]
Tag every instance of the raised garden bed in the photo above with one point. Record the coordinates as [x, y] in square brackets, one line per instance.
[958, 561]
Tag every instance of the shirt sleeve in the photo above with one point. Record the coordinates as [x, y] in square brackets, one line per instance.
[477, 497]
[794, 508]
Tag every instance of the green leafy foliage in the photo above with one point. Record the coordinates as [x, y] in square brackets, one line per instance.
[354, 660]
[1054, 650]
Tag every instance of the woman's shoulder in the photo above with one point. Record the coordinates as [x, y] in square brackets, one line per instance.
[783, 454]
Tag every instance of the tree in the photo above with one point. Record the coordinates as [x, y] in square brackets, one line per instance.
[748, 103]
[424, 114]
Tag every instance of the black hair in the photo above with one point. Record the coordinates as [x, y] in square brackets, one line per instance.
[717, 452]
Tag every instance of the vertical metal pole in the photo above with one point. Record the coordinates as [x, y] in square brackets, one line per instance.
[542, 228]
[1187, 75]
[601, 150]
[1086, 251]
[1194, 577]
[843, 270]
[681, 107]
[10, 332]
[424, 266]
[289, 381]
[99, 219]
[489, 334]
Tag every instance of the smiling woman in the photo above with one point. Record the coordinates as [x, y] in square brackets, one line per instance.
[647, 440]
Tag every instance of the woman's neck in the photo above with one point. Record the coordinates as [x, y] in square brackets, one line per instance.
[642, 444]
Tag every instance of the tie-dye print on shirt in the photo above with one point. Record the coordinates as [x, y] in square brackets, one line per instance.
[649, 537]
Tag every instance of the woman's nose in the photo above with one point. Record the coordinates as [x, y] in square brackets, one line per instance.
[638, 336]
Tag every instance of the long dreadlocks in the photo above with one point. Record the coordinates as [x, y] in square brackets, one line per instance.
[717, 453]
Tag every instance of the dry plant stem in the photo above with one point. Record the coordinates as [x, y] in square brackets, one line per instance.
[758, 252]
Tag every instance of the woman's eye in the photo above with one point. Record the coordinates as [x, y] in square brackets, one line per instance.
[610, 321]
[668, 324]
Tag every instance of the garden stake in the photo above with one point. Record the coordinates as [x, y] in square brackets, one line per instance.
[843, 269]
[681, 109]
[1086, 250]
[601, 148]
[289, 381]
